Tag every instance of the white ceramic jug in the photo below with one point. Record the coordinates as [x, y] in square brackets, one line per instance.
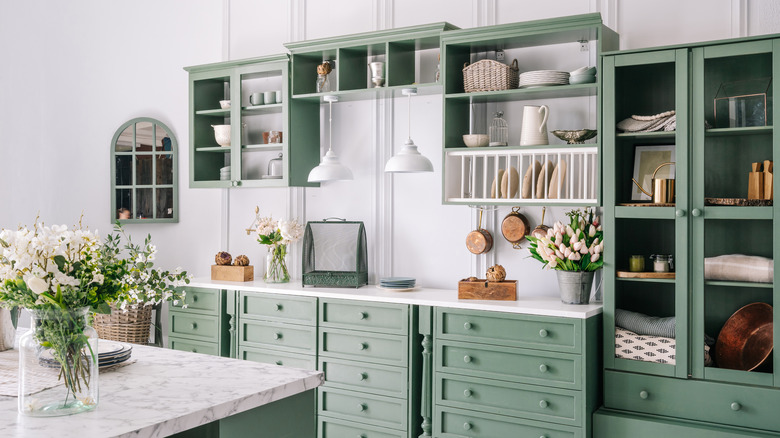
[534, 129]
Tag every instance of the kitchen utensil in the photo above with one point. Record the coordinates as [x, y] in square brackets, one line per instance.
[745, 341]
[574, 136]
[480, 240]
[475, 140]
[541, 229]
[256, 99]
[224, 104]
[663, 188]
[534, 129]
[269, 97]
[222, 135]
[515, 227]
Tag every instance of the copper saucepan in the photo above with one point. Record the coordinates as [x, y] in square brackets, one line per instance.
[480, 240]
[515, 227]
[541, 229]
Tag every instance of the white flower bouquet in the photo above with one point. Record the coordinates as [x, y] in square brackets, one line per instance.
[277, 235]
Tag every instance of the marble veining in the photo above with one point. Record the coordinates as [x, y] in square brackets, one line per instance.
[166, 392]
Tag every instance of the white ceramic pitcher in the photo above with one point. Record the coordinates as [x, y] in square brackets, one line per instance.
[534, 129]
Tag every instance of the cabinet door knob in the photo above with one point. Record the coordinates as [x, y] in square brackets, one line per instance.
[543, 333]
[543, 368]
[679, 213]
[362, 407]
[362, 436]
[467, 358]
[467, 393]
[467, 425]
[736, 406]
[277, 336]
[644, 395]
[194, 326]
[543, 404]
[278, 307]
[363, 346]
[279, 362]
[696, 212]
[194, 350]
[363, 315]
[238, 183]
[363, 376]
[543, 436]
[194, 298]
[467, 325]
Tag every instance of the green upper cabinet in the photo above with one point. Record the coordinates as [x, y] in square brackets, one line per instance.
[564, 174]
[240, 121]
[409, 57]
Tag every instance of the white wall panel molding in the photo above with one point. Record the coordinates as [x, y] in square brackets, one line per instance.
[296, 15]
[609, 12]
[739, 18]
[484, 13]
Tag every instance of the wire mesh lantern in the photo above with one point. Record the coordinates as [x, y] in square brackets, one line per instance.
[499, 131]
[335, 254]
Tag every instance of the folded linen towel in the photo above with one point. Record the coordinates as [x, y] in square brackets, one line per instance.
[739, 267]
[642, 324]
[629, 345]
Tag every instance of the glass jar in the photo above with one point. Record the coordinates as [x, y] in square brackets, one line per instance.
[276, 264]
[58, 364]
[636, 263]
[275, 167]
[323, 84]
[662, 262]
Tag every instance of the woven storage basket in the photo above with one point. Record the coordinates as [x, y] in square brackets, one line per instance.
[132, 326]
[489, 75]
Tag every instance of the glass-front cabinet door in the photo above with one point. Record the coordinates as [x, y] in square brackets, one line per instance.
[645, 113]
[733, 220]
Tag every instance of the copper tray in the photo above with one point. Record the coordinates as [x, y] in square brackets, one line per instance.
[738, 202]
[745, 341]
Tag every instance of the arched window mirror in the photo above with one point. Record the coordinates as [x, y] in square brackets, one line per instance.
[144, 173]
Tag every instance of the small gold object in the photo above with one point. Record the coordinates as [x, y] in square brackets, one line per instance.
[223, 258]
[241, 260]
[496, 273]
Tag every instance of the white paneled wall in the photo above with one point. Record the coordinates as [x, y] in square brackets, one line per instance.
[81, 68]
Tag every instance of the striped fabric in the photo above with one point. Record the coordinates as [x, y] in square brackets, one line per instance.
[642, 324]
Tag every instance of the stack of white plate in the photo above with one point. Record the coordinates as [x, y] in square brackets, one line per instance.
[112, 353]
[543, 78]
[398, 284]
[224, 173]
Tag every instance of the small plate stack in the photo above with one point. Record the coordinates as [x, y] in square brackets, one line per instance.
[398, 284]
[224, 173]
[112, 353]
[543, 78]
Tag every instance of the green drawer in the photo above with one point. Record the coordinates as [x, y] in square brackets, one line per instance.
[335, 428]
[375, 379]
[363, 408]
[280, 308]
[527, 401]
[511, 330]
[608, 423]
[195, 326]
[286, 337]
[512, 364]
[201, 300]
[362, 315]
[283, 358]
[451, 422]
[717, 403]
[363, 346]
[193, 346]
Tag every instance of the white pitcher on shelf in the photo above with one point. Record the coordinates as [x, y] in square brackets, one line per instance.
[534, 130]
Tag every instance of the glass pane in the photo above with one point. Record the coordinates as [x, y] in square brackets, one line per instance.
[164, 203]
[335, 246]
[144, 136]
[163, 141]
[124, 204]
[143, 169]
[164, 169]
[124, 143]
[124, 170]
[144, 200]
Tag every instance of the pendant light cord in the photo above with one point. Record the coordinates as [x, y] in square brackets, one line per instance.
[330, 125]
[409, 111]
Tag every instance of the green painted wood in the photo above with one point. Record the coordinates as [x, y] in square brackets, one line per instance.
[385, 380]
[591, 371]
[276, 357]
[278, 336]
[741, 213]
[742, 131]
[182, 344]
[231, 315]
[776, 207]
[290, 417]
[453, 422]
[509, 329]
[363, 408]
[414, 366]
[512, 399]
[609, 424]
[363, 346]
[337, 428]
[696, 44]
[520, 94]
[427, 35]
[402, 68]
[609, 198]
[278, 308]
[212, 325]
[362, 315]
[738, 284]
[737, 49]
[201, 300]
[737, 376]
[193, 326]
[644, 212]
[560, 370]
[425, 327]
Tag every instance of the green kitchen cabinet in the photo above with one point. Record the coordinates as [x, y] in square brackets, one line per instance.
[248, 150]
[205, 325]
[713, 157]
[470, 174]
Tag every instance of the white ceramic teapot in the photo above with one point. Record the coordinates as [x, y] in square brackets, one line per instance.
[534, 129]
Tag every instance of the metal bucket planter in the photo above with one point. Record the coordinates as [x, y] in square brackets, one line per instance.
[575, 286]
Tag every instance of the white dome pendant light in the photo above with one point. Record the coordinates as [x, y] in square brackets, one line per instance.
[330, 169]
[408, 159]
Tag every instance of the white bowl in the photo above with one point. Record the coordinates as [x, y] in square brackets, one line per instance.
[582, 79]
[222, 135]
[225, 104]
[584, 71]
[476, 140]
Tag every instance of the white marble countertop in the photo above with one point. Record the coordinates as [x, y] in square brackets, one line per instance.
[531, 305]
[163, 393]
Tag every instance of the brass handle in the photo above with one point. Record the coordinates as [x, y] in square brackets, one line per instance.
[543, 333]
[278, 307]
[363, 315]
[644, 395]
[467, 358]
[736, 406]
[467, 393]
[363, 376]
[194, 326]
[362, 407]
[696, 212]
[277, 336]
[363, 346]
[543, 368]
[543, 404]
[679, 213]
[467, 325]
[467, 425]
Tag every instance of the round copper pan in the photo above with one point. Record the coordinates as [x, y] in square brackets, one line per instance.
[745, 341]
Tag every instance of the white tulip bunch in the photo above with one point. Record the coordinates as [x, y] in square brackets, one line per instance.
[576, 246]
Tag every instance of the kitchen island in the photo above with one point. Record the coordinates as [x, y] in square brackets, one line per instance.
[167, 392]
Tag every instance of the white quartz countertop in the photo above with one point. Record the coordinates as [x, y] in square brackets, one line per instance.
[526, 304]
[163, 393]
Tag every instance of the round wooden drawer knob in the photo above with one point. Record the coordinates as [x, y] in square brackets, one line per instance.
[363, 315]
[194, 326]
[736, 406]
[679, 213]
[644, 395]
[696, 212]
[363, 346]
[543, 333]
[363, 376]
[467, 326]
[467, 359]
[543, 436]
[543, 368]
[543, 404]
[194, 350]
[467, 393]
[277, 336]
[362, 407]
[467, 426]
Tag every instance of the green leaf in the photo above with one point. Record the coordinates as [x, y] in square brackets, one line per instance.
[60, 261]
[103, 308]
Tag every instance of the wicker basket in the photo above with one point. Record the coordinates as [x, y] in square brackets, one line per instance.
[132, 326]
[489, 75]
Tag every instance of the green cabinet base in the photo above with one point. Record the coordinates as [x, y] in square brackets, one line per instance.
[611, 424]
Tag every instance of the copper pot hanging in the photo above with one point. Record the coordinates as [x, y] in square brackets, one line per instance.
[480, 240]
[515, 227]
[541, 229]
